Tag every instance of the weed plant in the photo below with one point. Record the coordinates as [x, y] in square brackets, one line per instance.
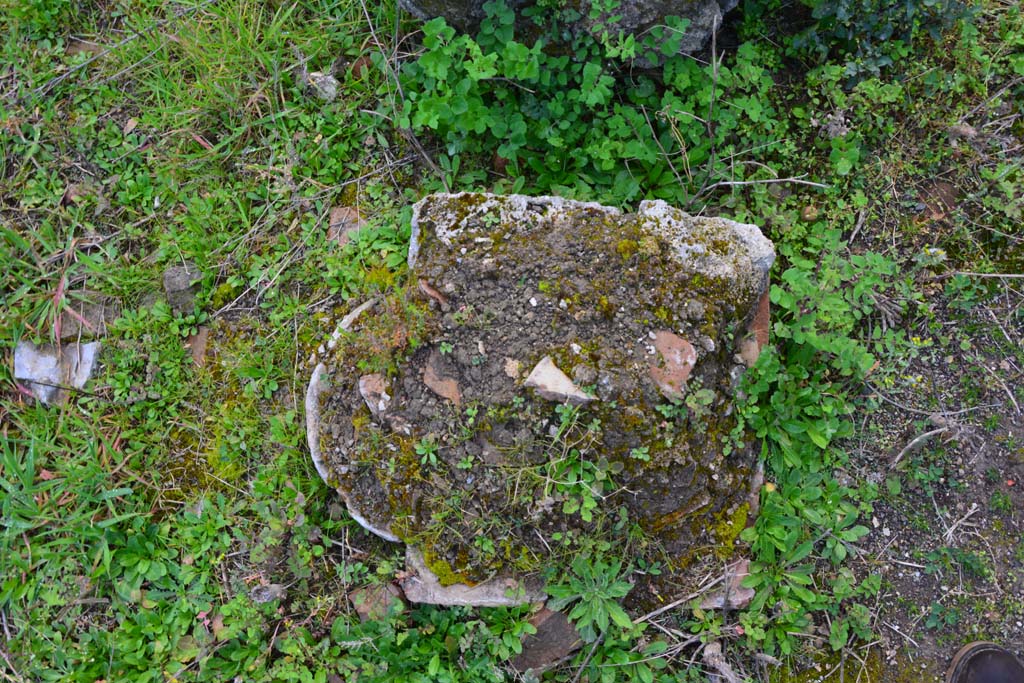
[167, 525]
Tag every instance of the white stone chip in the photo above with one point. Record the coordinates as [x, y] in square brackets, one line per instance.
[554, 385]
[47, 369]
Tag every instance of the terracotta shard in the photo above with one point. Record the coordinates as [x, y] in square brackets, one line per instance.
[197, 344]
[344, 222]
[677, 358]
[361, 67]
[750, 346]
[733, 595]
[445, 387]
[762, 320]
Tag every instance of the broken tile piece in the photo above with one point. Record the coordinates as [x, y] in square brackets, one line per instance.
[434, 378]
[677, 358]
[197, 343]
[554, 385]
[344, 222]
[47, 370]
[431, 292]
[762, 319]
[421, 585]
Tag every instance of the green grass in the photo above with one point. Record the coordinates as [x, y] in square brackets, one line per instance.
[139, 521]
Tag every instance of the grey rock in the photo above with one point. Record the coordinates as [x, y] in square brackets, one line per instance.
[87, 315]
[49, 370]
[445, 213]
[556, 638]
[323, 86]
[268, 593]
[584, 374]
[714, 247]
[181, 285]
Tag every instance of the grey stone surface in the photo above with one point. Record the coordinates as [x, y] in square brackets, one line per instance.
[715, 247]
[323, 86]
[180, 285]
[86, 315]
[444, 213]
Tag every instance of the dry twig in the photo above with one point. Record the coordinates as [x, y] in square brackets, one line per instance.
[916, 443]
[714, 658]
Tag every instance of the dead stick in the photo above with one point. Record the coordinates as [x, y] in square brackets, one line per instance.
[916, 443]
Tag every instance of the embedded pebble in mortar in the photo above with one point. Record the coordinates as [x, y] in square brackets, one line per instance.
[675, 361]
[513, 368]
[374, 390]
[554, 385]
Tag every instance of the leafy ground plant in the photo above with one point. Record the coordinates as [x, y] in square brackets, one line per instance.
[166, 524]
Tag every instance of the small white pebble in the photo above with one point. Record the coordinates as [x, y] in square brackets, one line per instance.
[533, 301]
